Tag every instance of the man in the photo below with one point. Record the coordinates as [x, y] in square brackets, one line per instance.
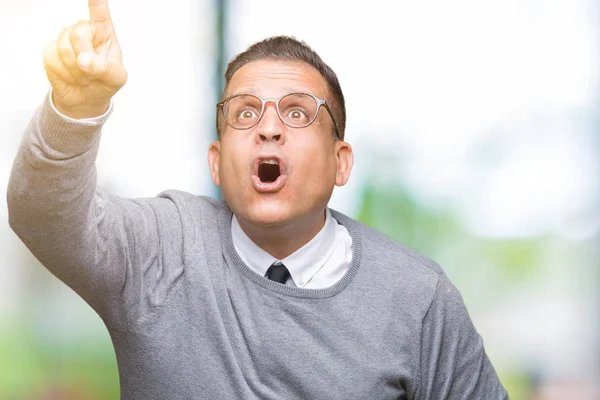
[266, 295]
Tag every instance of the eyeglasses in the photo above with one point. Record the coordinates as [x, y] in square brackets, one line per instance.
[296, 110]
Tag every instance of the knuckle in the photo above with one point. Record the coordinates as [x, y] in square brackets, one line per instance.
[48, 68]
[64, 33]
[78, 32]
[64, 48]
[81, 38]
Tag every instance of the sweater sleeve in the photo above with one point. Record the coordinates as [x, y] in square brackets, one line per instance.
[453, 362]
[106, 248]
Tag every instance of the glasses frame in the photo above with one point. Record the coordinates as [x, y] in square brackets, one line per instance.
[264, 102]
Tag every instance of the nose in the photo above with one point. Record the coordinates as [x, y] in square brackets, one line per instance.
[270, 126]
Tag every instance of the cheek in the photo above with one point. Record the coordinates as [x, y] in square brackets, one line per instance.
[233, 172]
[233, 163]
[317, 168]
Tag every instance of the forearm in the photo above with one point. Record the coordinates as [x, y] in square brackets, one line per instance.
[86, 236]
[52, 186]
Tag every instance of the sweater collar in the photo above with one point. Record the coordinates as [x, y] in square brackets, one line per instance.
[235, 262]
[303, 264]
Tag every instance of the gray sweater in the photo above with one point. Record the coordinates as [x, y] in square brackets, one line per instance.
[189, 320]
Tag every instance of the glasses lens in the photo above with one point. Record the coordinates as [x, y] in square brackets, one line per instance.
[242, 111]
[298, 109]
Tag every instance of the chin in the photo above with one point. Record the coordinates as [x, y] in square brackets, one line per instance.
[269, 210]
[268, 213]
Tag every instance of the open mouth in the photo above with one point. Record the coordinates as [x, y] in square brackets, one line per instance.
[268, 170]
[269, 174]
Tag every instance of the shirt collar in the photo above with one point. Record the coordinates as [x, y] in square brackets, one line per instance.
[303, 264]
[254, 257]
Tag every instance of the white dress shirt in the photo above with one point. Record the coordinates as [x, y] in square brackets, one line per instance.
[318, 264]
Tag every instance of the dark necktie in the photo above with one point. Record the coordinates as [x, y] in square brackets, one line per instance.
[278, 272]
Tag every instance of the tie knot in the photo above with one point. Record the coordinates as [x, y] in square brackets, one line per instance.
[278, 272]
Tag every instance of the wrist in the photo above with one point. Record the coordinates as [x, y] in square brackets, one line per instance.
[81, 111]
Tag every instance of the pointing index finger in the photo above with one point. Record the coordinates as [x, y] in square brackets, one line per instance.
[99, 12]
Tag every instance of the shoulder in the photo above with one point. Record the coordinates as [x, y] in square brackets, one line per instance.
[193, 202]
[382, 249]
[407, 274]
[195, 210]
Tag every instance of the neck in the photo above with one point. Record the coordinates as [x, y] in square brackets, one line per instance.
[282, 240]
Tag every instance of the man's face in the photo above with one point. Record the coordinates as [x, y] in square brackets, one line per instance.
[309, 160]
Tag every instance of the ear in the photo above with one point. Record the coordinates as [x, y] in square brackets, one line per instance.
[345, 161]
[214, 154]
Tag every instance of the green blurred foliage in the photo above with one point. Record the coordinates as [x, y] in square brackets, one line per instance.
[33, 369]
[393, 211]
[438, 234]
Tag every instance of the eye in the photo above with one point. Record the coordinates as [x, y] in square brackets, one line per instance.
[297, 114]
[247, 114]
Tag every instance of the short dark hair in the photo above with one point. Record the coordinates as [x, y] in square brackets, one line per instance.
[288, 48]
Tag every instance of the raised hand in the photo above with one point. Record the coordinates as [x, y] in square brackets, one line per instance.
[84, 65]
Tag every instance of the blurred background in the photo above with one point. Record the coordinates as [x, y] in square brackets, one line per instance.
[476, 131]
